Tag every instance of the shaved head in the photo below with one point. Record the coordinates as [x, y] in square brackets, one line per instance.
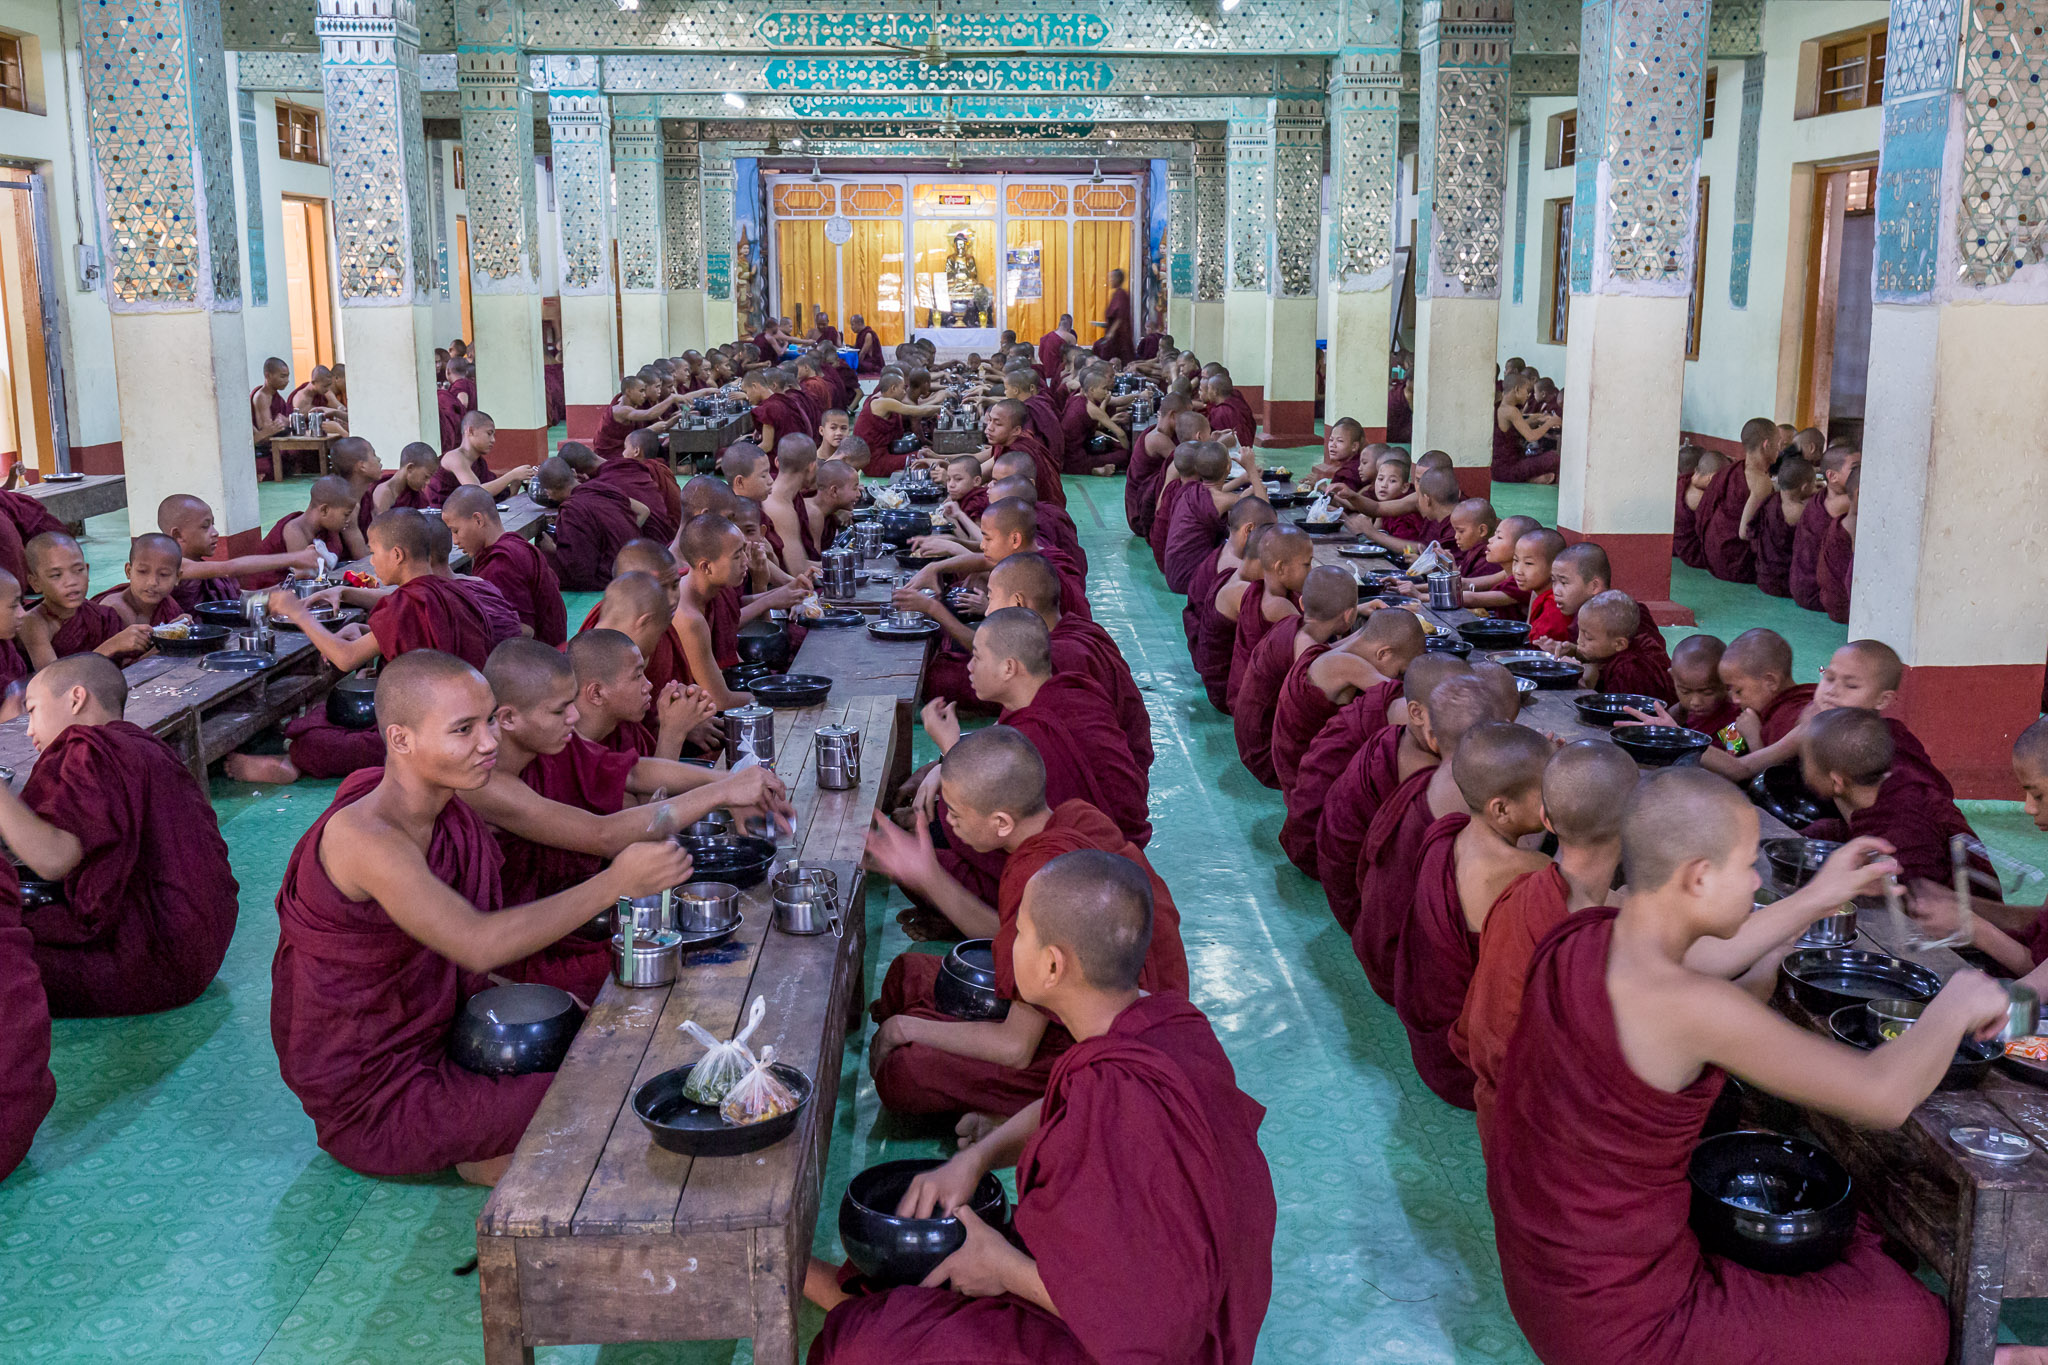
[1438, 485]
[705, 538]
[1586, 559]
[1478, 511]
[1458, 706]
[1849, 743]
[1018, 633]
[348, 454]
[404, 529]
[1611, 611]
[1286, 543]
[556, 476]
[331, 491]
[641, 555]
[154, 543]
[96, 673]
[1679, 816]
[579, 457]
[1011, 517]
[704, 494]
[636, 594]
[39, 549]
[1759, 653]
[1014, 488]
[1887, 669]
[1586, 790]
[1698, 655]
[995, 770]
[1097, 906]
[525, 673]
[1507, 693]
[2031, 748]
[1546, 543]
[1499, 759]
[1399, 632]
[472, 500]
[181, 511]
[1328, 593]
[601, 656]
[1249, 512]
[1031, 578]
[409, 685]
[836, 473]
[1425, 673]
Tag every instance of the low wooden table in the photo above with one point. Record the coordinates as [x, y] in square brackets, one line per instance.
[281, 446]
[697, 442]
[74, 500]
[595, 1234]
[857, 662]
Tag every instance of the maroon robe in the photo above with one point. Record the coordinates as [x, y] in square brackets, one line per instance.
[1324, 759]
[1729, 556]
[1685, 528]
[1354, 796]
[14, 665]
[880, 431]
[1772, 537]
[430, 612]
[148, 912]
[975, 503]
[1835, 569]
[1591, 1205]
[27, 1090]
[1073, 582]
[190, 592]
[13, 557]
[1534, 904]
[1057, 529]
[273, 543]
[1235, 414]
[1915, 812]
[443, 483]
[366, 510]
[1215, 635]
[1146, 1202]
[521, 575]
[1783, 713]
[163, 613]
[1051, 347]
[807, 540]
[1141, 486]
[501, 622]
[643, 483]
[360, 1013]
[1258, 692]
[1433, 963]
[1407, 526]
[1642, 667]
[1081, 646]
[1043, 421]
[786, 415]
[1348, 475]
[593, 524]
[868, 351]
[91, 626]
[1163, 507]
[1299, 713]
[1045, 467]
[1807, 537]
[28, 516]
[1194, 529]
[1386, 878]
[1075, 731]
[1116, 342]
[1252, 627]
[448, 412]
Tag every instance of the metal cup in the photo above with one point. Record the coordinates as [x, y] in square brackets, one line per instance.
[837, 752]
[2023, 1016]
[645, 916]
[1445, 590]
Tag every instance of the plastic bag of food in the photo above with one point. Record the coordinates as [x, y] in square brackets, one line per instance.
[1433, 559]
[759, 1096]
[1322, 509]
[723, 1064]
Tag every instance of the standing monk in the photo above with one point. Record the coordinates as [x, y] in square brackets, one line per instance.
[1116, 342]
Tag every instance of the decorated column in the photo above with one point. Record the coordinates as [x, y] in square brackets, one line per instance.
[1249, 248]
[377, 153]
[721, 317]
[157, 119]
[496, 98]
[637, 176]
[1180, 251]
[1949, 569]
[1212, 265]
[1462, 179]
[1634, 219]
[682, 230]
[579, 128]
[1365, 116]
[1290, 342]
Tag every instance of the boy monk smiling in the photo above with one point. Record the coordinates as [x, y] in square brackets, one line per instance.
[149, 598]
[67, 622]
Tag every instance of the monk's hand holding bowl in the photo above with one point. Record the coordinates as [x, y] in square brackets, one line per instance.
[942, 1187]
[986, 1264]
[911, 598]
[942, 722]
[905, 857]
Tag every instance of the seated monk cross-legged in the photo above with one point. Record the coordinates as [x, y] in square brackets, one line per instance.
[114, 814]
[510, 563]
[391, 915]
[27, 1089]
[1329, 607]
[1145, 1209]
[995, 790]
[1078, 644]
[614, 695]
[1274, 603]
[1631, 1022]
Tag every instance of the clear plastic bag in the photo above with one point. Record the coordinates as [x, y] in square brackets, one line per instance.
[723, 1064]
[759, 1096]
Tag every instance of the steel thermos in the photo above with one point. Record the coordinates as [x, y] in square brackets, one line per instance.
[749, 730]
[837, 751]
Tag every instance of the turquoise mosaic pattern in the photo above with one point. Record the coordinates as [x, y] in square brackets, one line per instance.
[175, 1208]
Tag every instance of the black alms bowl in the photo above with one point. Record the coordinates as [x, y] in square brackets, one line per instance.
[1770, 1202]
[1852, 1024]
[1781, 790]
[1794, 861]
[896, 1251]
[739, 859]
[1446, 642]
[199, 638]
[221, 613]
[966, 984]
[1605, 708]
[765, 643]
[1545, 672]
[1823, 980]
[352, 704]
[1491, 633]
[1661, 746]
[899, 525]
[515, 1030]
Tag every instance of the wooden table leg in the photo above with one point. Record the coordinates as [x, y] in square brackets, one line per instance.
[497, 1269]
[1978, 1287]
[775, 1298]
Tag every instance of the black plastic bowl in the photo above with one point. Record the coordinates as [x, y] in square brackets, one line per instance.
[1546, 672]
[966, 984]
[1321, 528]
[352, 703]
[1794, 861]
[765, 643]
[200, 638]
[221, 613]
[789, 690]
[1781, 790]
[740, 860]
[1661, 746]
[1492, 633]
[925, 494]
[897, 1251]
[1771, 1202]
[1823, 980]
[515, 1030]
[1446, 642]
[680, 1124]
[1851, 1024]
[900, 525]
[1605, 708]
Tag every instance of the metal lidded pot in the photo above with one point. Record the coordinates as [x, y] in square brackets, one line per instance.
[749, 730]
[807, 900]
[836, 749]
[1446, 590]
[645, 960]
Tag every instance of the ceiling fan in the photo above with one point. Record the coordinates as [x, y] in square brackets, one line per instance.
[934, 53]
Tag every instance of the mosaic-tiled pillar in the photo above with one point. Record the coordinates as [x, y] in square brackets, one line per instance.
[1180, 251]
[637, 185]
[1951, 501]
[1248, 247]
[1635, 215]
[384, 262]
[494, 89]
[682, 207]
[1461, 195]
[1291, 305]
[1212, 212]
[579, 131]
[1365, 116]
[157, 117]
[721, 317]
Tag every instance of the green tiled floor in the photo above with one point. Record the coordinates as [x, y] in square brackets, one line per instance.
[175, 1207]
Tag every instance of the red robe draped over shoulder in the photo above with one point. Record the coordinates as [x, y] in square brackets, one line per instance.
[430, 612]
[1783, 713]
[1234, 414]
[1534, 904]
[1729, 556]
[1433, 960]
[1642, 667]
[1258, 691]
[1771, 536]
[27, 1090]
[653, 488]
[149, 911]
[1365, 780]
[1192, 534]
[1386, 878]
[1163, 505]
[1835, 570]
[1146, 1202]
[1299, 713]
[1045, 424]
[443, 483]
[1079, 645]
[1546, 622]
[1141, 485]
[1212, 635]
[360, 1012]
[501, 622]
[522, 575]
[1252, 629]
[594, 521]
[92, 625]
[1591, 1207]
[1813, 527]
[1685, 528]
[1323, 761]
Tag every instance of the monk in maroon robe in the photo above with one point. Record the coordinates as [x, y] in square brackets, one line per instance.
[1730, 555]
[1322, 761]
[1171, 491]
[1803, 578]
[1353, 798]
[593, 521]
[509, 563]
[1117, 341]
[149, 900]
[1211, 635]
[1285, 555]
[1835, 569]
[1848, 758]
[1685, 522]
[642, 477]
[1078, 644]
[1228, 411]
[27, 1090]
[29, 517]
[1194, 530]
[1772, 536]
[67, 618]
[1623, 649]
[388, 927]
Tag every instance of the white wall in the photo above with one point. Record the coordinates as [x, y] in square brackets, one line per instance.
[1521, 324]
[267, 330]
[455, 204]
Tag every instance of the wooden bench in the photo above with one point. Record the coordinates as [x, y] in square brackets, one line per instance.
[697, 442]
[595, 1234]
[857, 662]
[72, 501]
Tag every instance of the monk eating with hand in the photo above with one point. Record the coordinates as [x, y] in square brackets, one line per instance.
[113, 813]
[613, 697]
[328, 521]
[1632, 1020]
[925, 1062]
[470, 462]
[391, 915]
[1467, 858]
[593, 521]
[509, 563]
[202, 578]
[1145, 1210]
[1586, 788]
[1078, 644]
[67, 621]
[1328, 608]
[150, 596]
[1610, 646]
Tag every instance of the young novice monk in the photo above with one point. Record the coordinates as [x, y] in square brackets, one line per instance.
[509, 563]
[202, 578]
[1611, 648]
[967, 496]
[1631, 1021]
[1078, 644]
[149, 598]
[1214, 596]
[422, 610]
[613, 697]
[1586, 787]
[1436, 496]
[783, 520]
[1492, 587]
[1145, 1208]
[390, 924]
[592, 522]
[994, 784]
[404, 487]
[1703, 702]
[1473, 523]
[67, 621]
[1329, 607]
[1847, 759]
[1468, 857]
[1534, 554]
[1817, 522]
[328, 521]
[1776, 528]
[1195, 522]
[1285, 555]
[113, 813]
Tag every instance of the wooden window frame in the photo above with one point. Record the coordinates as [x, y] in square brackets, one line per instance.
[290, 118]
[1561, 141]
[1695, 305]
[14, 56]
[457, 169]
[1708, 100]
[1820, 95]
[1557, 275]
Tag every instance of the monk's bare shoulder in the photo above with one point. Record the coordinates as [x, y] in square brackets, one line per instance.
[357, 837]
[1277, 609]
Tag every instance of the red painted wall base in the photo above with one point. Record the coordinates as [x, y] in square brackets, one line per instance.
[1255, 396]
[1474, 480]
[584, 419]
[1968, 717]
[104, 458]
[1731, 448]
[1642, 568]
[235, 544]
[1290, 424]
[517, 446]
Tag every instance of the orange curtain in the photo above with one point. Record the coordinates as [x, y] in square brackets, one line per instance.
[807, 274]
[873, 258]
[1099, 247]
[1029, 318]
